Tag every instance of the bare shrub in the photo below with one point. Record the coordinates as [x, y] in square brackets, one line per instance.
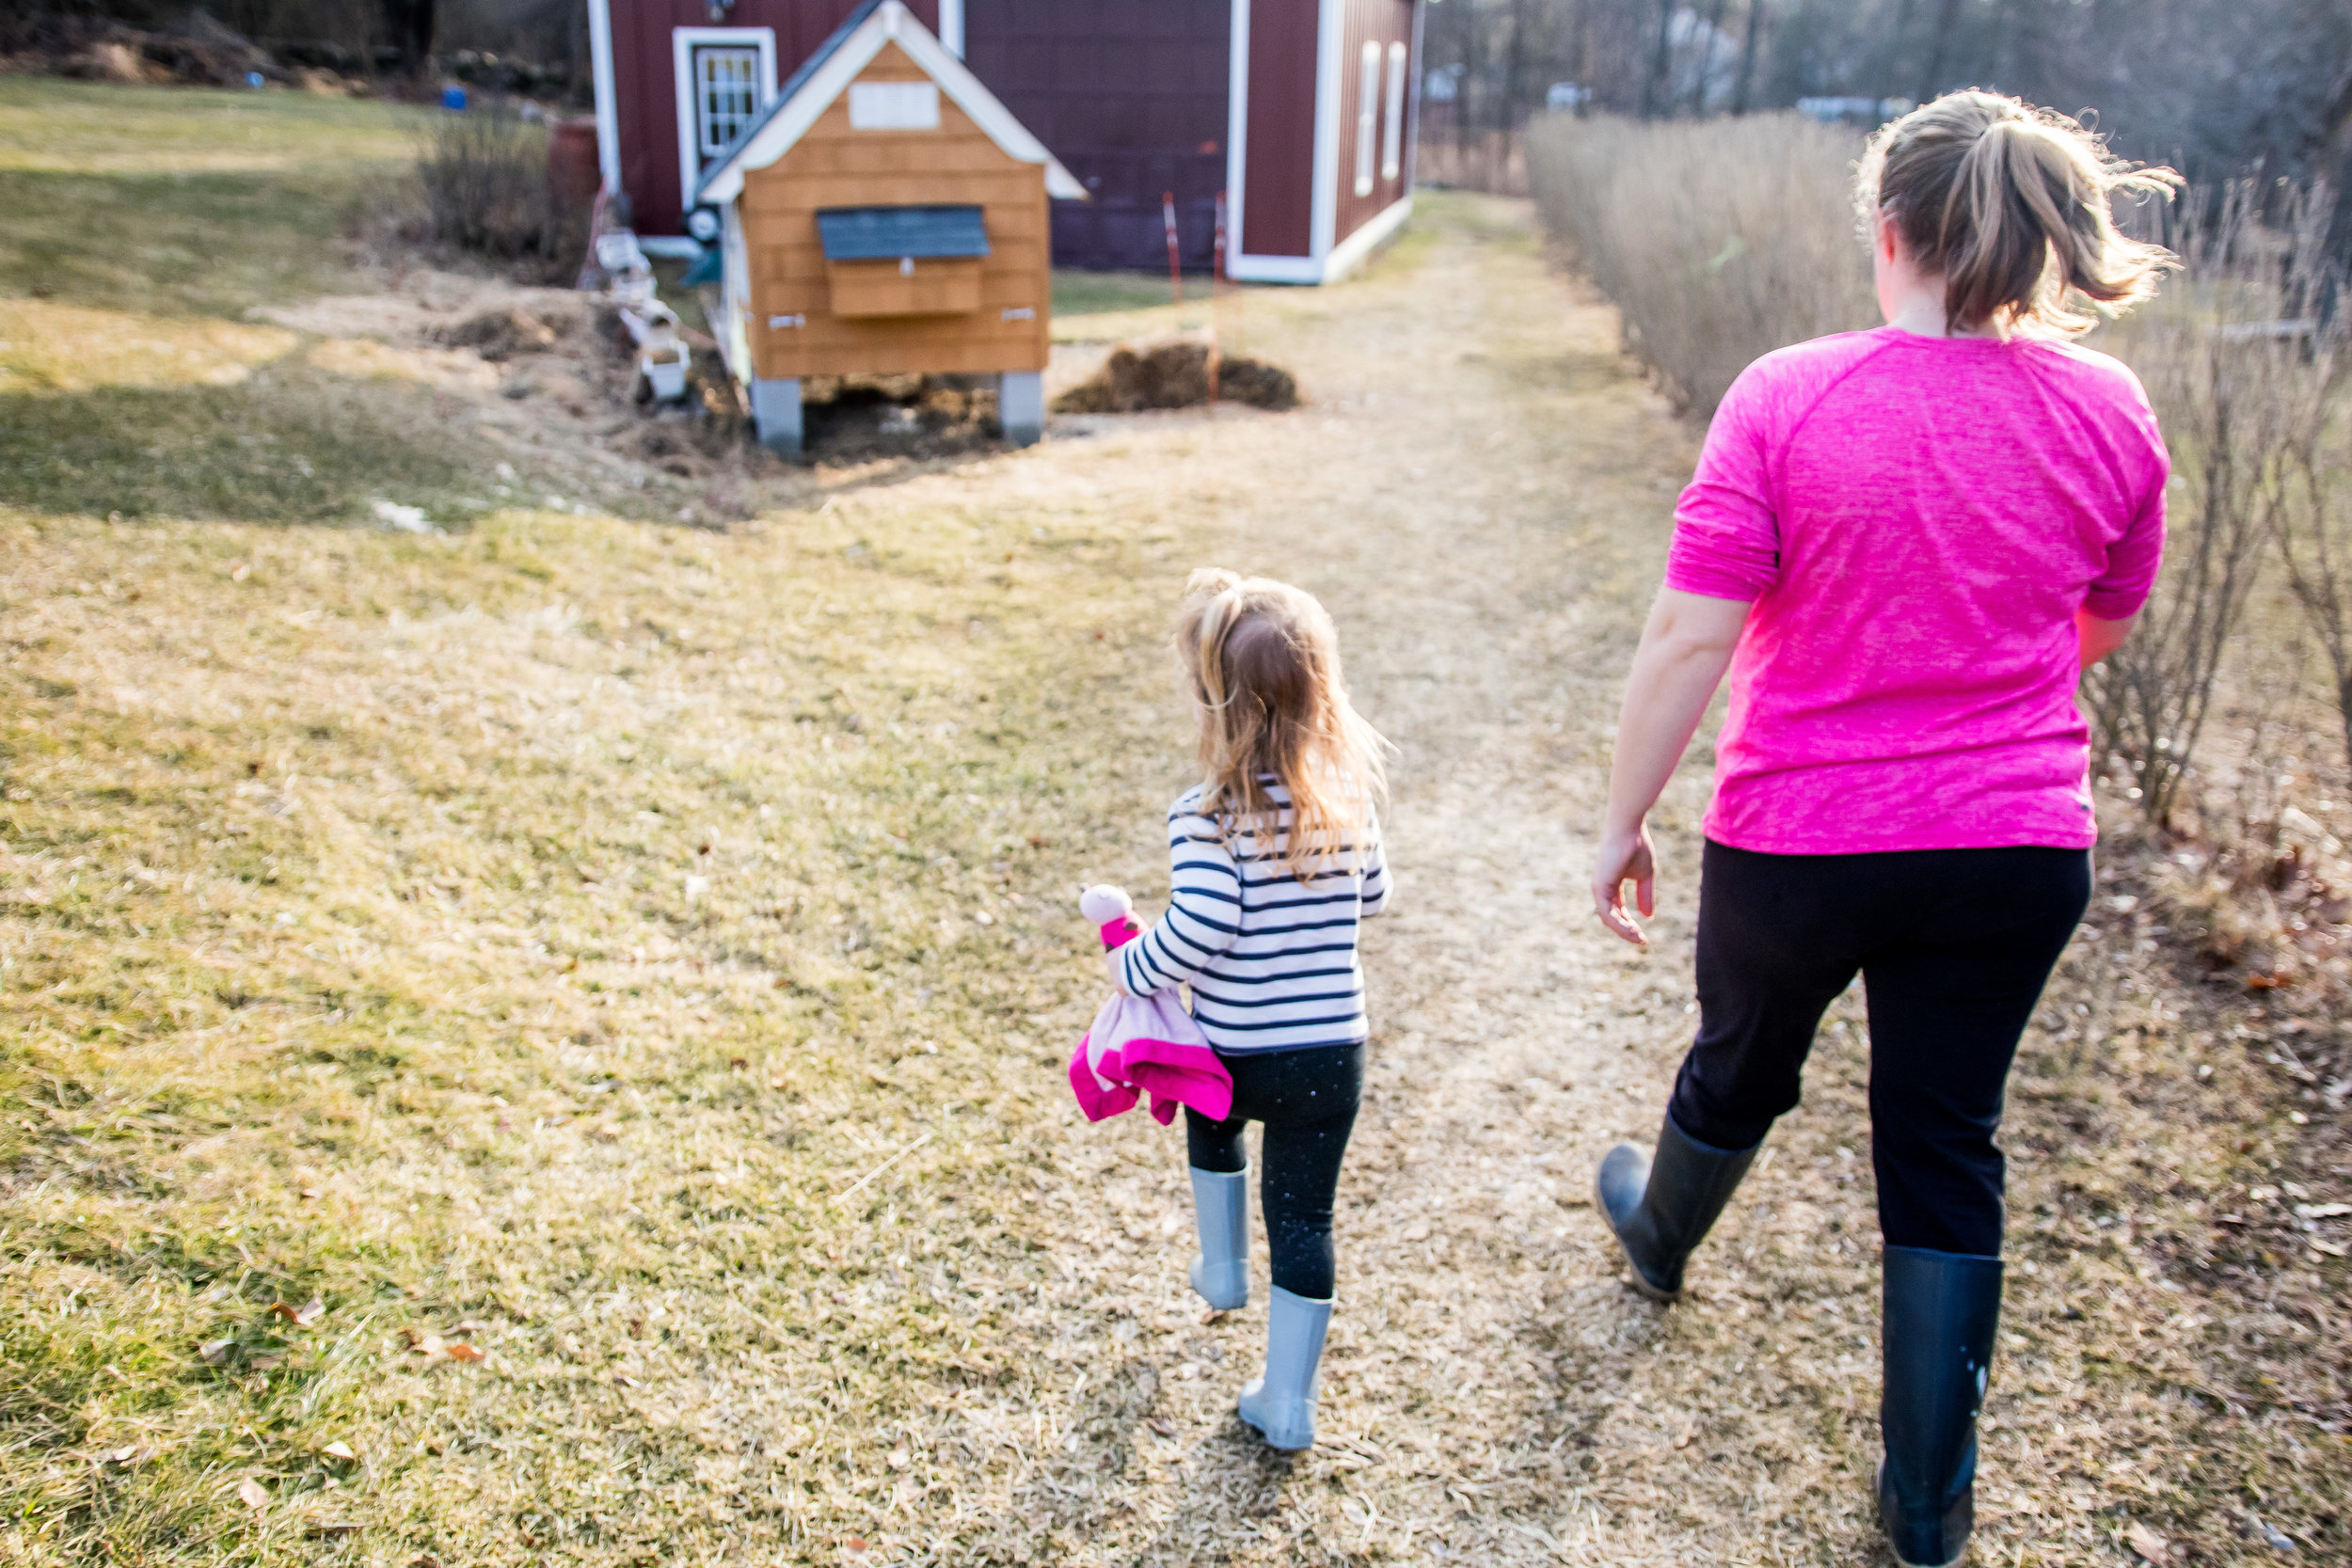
[486, 191]
[2311, 488]
[1718, 241]
[2241, 389]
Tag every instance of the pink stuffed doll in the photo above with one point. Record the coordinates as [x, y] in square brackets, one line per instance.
[1143, 1044]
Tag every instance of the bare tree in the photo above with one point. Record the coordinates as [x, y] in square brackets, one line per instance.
[408, 26]
[1662, 61]
[2308, 492]
[1740, 99]
[1939, 49]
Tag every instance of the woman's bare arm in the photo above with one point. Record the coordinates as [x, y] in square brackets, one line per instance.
[2100, 637]
[1686, 647]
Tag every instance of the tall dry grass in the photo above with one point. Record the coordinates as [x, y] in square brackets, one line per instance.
[1718, 241]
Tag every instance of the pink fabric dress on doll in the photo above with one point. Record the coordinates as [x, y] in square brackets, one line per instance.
[1143, 1045]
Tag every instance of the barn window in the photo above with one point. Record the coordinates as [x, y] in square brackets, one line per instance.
[727, 95]
[1367, 118]
[1393, 139]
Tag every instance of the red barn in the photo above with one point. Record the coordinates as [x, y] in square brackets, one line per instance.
[1301, 110]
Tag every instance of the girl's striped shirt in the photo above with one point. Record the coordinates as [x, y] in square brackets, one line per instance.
[1271, 958]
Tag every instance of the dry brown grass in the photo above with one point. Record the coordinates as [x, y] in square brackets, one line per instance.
[547, 927]
[1718, 241]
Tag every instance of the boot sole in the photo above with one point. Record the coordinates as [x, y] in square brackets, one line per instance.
[1269, 1440]
[1902, 1562]
[1633, 1270]
[1237, 1300]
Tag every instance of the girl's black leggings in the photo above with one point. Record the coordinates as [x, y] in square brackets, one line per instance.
[1953, 947]
[1307, 1099]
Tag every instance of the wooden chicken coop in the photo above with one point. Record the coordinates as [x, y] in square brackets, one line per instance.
[885, 215]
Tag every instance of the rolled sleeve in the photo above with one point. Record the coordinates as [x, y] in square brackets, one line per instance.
[1726, 540]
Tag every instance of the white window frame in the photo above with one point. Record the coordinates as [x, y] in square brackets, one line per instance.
[683, 43]
[1368, 119]
[1392, 136]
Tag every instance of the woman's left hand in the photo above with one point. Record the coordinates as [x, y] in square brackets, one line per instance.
[1624, 857]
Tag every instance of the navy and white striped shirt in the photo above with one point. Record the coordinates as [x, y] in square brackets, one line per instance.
[1271, 958]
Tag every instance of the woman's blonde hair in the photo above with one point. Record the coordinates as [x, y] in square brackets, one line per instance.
[1263, 662]
[2012, 205]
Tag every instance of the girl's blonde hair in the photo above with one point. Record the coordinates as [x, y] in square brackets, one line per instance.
[1265, 665]
[2012, 205]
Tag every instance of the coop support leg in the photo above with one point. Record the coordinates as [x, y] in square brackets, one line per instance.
[777, 411]
[1021, 406]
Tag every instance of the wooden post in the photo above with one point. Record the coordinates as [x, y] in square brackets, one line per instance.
[1216, 278]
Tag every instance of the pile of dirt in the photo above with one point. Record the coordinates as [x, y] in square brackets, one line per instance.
[499, 335]
[1176, 376]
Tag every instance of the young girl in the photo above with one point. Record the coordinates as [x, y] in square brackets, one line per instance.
[1275, 857]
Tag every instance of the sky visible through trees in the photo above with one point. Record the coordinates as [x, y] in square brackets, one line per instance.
[2217, 86]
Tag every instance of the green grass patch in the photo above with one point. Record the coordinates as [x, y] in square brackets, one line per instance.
[181, 200]
[296, 446]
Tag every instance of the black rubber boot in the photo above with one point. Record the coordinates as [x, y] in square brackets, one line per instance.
[1941, 1311]
[1661, 1207]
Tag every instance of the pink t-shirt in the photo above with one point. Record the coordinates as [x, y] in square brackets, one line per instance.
[1916, 521]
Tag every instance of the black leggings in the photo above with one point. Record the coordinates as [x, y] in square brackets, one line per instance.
[1953, 946]
[1307, 1099]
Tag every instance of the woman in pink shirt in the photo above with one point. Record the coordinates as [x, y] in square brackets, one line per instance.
[1904, 545]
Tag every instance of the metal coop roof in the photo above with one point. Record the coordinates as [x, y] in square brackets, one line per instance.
[885, 233]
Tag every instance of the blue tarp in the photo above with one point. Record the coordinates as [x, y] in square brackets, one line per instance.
[886, 234]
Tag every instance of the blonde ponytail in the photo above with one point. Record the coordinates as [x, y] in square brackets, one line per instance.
[1263, 662]
[2012, 206]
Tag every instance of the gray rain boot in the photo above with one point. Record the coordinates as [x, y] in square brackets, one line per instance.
[1220, 1203]
[1942, 1308]
[1661, 1209]
[1281, 1405]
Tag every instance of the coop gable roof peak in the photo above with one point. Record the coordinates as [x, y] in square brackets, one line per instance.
[826, 74]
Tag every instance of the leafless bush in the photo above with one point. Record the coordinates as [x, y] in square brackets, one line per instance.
[486, 190]
[1718, 241]
[2310, 500]
[2243, 389]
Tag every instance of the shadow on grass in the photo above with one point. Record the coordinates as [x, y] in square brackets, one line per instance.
[283, 447]
[208, 243]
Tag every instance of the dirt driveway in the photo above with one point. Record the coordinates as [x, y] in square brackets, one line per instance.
[1485, 510]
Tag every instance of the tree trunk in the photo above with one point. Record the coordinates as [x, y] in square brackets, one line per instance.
[1939, 49]
[1514, 73]
[1653, 85]
[1580, 59]
[1706, 71]
[1890, 62]
[1747, 57]
[408, 27]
